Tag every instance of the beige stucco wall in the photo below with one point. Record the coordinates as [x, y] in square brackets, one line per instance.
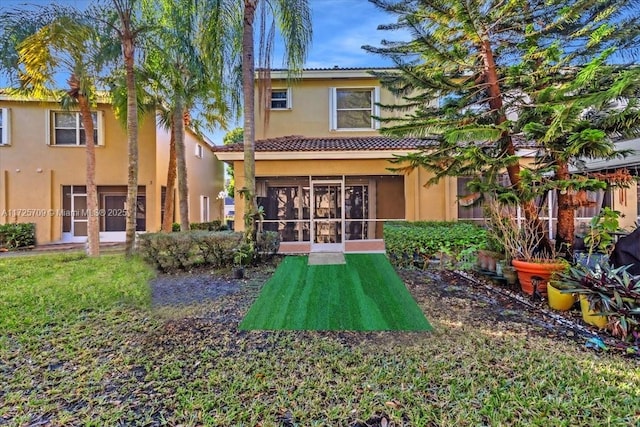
[309, 115]
[32, 172]
[205, 176]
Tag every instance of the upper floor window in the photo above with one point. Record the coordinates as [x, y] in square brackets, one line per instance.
[199, 151]
[4, 126]
[67, 128]
[353, 108]
[280, 99]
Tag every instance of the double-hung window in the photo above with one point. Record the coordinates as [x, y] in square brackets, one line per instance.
[67, 128]
[354, 108]
[280, 99]
[4, 126]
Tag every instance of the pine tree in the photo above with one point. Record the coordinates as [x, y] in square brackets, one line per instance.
[475, 74]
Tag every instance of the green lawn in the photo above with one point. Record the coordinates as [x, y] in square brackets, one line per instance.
[80, 345]
[365, 294]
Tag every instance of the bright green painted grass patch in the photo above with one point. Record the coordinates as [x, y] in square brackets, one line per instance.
[365, 294]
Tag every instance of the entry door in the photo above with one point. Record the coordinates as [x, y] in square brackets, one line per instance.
[115, 212]
[327, 221]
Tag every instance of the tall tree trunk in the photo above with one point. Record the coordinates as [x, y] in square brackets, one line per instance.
[167, 221]
[565, 230]
[93, 214]
[492, 81]
[128, 52]
[248, 72]
[183, 186]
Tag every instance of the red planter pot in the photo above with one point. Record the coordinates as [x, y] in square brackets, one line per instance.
[544, 270]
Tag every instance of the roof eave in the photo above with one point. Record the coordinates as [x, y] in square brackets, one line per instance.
[227, 156]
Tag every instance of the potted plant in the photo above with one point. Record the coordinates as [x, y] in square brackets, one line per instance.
[608, 298]
[599, 239]
[242, 257]
[522, 243]
[557, 298]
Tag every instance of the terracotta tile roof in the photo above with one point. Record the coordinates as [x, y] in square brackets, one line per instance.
[357, 143]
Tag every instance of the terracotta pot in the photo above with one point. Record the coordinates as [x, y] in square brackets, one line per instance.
[589, 316]
[558, 300]
[543, 270]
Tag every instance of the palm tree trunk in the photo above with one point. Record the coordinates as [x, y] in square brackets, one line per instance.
[128, 50]
[93, 225]
[248, 71]
[183, 187]
[167, 221]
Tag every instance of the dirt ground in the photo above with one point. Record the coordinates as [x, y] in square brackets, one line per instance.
[455, 296]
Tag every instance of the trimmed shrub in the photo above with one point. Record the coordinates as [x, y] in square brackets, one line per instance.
[407, 242]
[17, 236]
[186, 250]
[267, 244]
[207, 226]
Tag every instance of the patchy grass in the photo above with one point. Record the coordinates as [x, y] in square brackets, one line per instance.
[90, 352]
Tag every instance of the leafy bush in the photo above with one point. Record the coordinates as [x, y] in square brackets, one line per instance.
[267, 244]
[409, 241]
[207, 226]
[612, 292]
[186, 250]
[16, 236]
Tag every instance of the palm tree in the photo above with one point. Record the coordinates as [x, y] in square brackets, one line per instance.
[66, 42]
[127, 35]
[189, 59]
[294, 22]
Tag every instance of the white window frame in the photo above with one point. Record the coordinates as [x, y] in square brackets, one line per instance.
[51, 130]
[205, 208]
[288, 99]
[333, 107]
[5, 127]
[199, 153]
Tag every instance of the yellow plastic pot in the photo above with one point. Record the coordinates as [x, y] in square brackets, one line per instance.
[558, 300]
[589, 316]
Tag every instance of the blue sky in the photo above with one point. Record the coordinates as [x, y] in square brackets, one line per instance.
[340, 28]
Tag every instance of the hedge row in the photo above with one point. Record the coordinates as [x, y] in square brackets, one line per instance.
[17, 236]
[406, 241]
[186, 250]
[215, 225]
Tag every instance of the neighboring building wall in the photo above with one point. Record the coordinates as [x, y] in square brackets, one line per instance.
[33, 172]
[205, 177]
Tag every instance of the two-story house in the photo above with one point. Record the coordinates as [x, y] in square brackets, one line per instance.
[43, 172]
[322, 168]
